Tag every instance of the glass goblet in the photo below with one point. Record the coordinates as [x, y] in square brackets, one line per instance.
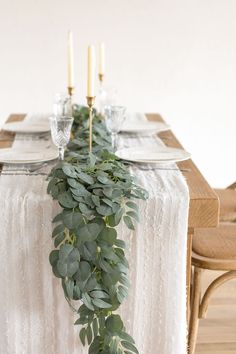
[114, 118]
[60, 131]
[62, 105]
[107, 97]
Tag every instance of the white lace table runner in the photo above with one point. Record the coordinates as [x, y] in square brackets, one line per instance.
[34, 316]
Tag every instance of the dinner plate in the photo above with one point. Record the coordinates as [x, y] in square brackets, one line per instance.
[144, 128]
[27, 127]
[23, 156]
[153, 155]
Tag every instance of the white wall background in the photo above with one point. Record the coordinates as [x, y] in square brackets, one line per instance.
[175, 57]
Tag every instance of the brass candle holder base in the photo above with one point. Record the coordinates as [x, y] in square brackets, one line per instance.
[90, 102]
[70, 90]
[101, 78]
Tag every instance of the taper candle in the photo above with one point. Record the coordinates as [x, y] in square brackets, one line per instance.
[91, 71]
[70, 60]
[101, 59]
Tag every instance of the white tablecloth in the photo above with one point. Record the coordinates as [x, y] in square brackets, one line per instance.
[36, 319]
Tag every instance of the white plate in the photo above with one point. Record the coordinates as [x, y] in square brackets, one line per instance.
[27, 127]
[23, 156]
[144, 127]
[153, 155]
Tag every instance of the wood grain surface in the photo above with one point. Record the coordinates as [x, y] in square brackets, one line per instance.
[204, 203]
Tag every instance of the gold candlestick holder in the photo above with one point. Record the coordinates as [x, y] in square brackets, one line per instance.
[90, 102]
[101, 93]
[101, 78]
[70, 90]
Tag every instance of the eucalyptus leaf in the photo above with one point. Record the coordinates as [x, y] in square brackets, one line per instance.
[103, 179]
[104, 210]
[72, 219]
[86, 178]
[129, 223]
[58, 230]
[62, 268]
[69, 288]
[95, 327]
[88, 232]
[53, 257]
[85, 209]
[101, 304]
[66, 200]
[69, 171]
[74, 183]
[114, 323]
[108, 192]
[126, 337]
[132, 205]
[120, 243]
[84, 270]
[82, 335]
[89, 334]
[94, 347]
[133, 215]
[108, 235]
[129, 346]
[122, 293]
[57, 218]
[87, 301]
[99, 294]
[59, 239]
[96, 200]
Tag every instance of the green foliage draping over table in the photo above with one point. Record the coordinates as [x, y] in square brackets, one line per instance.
[96, 192]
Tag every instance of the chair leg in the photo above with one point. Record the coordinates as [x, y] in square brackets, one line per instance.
[194, 318]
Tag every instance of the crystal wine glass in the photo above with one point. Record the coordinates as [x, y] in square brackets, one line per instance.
[62, 105]
[107, 97]
[114, 117]
[60, 131]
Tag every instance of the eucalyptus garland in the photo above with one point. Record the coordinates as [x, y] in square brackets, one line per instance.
[96, 192]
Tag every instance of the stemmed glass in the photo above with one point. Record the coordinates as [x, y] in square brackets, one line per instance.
[107, 97]
[60, 131]
[114, 118]
[62, 105]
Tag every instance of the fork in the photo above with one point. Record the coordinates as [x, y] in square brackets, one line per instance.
[23, 174]
[143, 168]
[29, 169]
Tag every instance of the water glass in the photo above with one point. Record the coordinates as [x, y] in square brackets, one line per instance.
[114, 118]
[62, 105]
[107, 96]
[60, 131]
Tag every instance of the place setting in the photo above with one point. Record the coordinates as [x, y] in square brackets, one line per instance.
[38, 143]
[142, 133]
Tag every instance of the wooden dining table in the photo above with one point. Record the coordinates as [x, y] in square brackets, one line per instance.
[204, 203]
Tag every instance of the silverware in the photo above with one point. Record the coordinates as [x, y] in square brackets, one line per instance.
[23, 174]
[26, 169]
[163, 169]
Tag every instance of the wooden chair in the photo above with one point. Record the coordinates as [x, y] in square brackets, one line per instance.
[213, 249]
[227, 199]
